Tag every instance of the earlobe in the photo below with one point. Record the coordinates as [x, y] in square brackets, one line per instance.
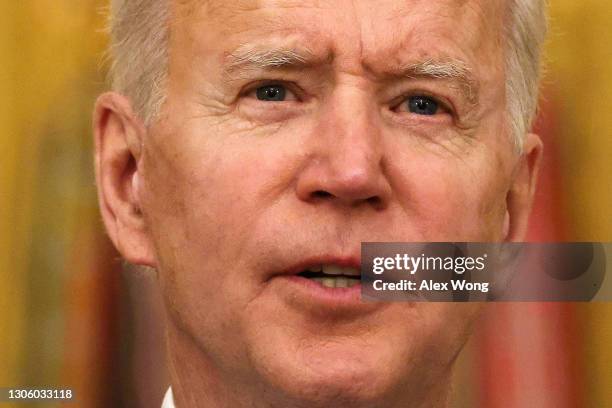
[520, 196]
[118, 134]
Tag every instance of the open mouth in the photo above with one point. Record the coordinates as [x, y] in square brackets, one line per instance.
[332, 276]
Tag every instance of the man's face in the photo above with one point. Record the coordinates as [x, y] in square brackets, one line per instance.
[292, 132]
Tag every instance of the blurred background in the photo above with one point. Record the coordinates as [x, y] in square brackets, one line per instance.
[71, 315]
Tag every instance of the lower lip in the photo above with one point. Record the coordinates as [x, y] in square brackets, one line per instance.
[308, 294]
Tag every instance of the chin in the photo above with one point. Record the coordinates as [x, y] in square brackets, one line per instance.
[334, 374]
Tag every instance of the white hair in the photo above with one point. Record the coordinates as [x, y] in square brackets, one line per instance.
[139, 51]
[525, 32]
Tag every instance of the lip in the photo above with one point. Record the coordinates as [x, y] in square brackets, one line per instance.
[309, 295]
[348, 261]
[325, 293]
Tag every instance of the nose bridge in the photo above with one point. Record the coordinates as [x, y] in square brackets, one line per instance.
[350, 131]
[349, 155]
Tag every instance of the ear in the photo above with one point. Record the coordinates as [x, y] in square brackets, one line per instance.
[520, 196]
[118, 137]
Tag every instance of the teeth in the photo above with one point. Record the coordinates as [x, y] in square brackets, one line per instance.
[336, 276]
[332, 269]
[351, 272]
[338, 270]
[352, 282]
[341, 282]
[337, 282]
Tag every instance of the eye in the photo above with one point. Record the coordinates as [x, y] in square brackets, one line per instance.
[271, 93]
[422, 105]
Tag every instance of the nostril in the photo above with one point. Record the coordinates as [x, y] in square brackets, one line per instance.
[321, 194]
[374, 200]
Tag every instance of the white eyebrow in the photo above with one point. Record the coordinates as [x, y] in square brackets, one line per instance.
[450, 68]
[247, 57]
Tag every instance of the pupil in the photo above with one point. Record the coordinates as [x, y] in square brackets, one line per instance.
[422, 106]
[271, 93]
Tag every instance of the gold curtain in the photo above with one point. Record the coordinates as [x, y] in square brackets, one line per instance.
[580, 78]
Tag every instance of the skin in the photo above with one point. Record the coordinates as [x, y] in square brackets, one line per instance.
[225, 191]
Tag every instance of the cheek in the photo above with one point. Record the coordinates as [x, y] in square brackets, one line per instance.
[206, 202]
[453, 200]
[208, 194]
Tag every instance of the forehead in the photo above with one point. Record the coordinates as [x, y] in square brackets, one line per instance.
[371, 9]
[374, 32]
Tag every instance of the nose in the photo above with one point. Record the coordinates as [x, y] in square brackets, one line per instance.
[346, 163]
